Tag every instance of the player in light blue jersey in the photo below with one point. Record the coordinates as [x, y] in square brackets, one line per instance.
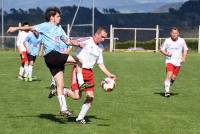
[33, 43]
[52, 37]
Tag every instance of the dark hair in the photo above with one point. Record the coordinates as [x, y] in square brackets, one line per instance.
[25, 23]
[51, 11]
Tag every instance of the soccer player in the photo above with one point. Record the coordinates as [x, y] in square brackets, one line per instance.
[33, 46]
[175, 50]
[22, 51]
[89, 55]
[52, 35]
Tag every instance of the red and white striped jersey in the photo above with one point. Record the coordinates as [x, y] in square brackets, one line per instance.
[176, 48]
[20, 40]
[90, 54]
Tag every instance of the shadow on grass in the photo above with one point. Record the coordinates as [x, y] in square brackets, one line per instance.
[62, 120]
[163, 94]
[52, 117]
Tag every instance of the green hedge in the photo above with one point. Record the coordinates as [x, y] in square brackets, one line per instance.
[150, 45]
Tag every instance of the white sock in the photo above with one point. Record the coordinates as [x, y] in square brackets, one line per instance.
[65, 91]
[80, 78]
[167, 86]
[30, 70]
[25, 70]
[21, 71]
[62, 102]
[83, 111]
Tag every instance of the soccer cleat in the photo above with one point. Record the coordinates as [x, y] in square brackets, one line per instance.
[52, 93]
[30, 79]
[26, 79]
[66, 113]
[52, 86]
[82, 121]
[167, 94]
[20, 77]
[84, 86]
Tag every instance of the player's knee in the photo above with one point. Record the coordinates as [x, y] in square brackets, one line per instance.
[89, 99]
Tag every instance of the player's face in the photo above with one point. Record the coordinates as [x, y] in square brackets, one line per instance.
[26, 26]
[101, 36]
[56, 19]
[174, 35]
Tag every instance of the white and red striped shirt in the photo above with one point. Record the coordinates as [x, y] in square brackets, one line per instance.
[20, 40]
[176, 48]
[90, 54]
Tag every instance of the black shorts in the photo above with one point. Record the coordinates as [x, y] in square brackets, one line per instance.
[31, 57]
[55, 61]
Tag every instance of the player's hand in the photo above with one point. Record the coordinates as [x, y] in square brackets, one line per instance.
[81, 45]
[168, 54]
[182, 60]
[112, 76]
[11, 29]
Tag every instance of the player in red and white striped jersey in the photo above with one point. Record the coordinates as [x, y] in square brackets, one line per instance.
[175, 50]
[22, 51]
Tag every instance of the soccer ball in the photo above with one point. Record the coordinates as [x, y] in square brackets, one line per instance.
[108, 84]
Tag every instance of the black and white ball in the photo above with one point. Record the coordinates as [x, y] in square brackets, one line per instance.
[108, 84]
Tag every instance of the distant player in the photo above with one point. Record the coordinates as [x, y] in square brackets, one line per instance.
[33, 43]
[175, 50]
[22, 51]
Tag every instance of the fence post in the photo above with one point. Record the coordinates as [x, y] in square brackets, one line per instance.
[157, 37]
[68, 31]
[135, 38]
[111, 38]
[199, 41]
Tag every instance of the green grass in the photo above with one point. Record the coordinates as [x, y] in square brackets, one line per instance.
[134, 107]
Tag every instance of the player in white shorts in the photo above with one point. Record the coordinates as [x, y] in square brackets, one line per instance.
[175, 50]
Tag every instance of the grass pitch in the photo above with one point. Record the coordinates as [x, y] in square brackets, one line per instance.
[136, 106]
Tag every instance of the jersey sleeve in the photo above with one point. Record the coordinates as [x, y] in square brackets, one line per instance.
[63, 34]
[100, 58]
[19, 39]
[185, 48]
[41, 28]
[163, 46]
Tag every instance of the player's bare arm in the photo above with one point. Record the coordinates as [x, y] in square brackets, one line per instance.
[14, 29]
[184, 56]
[106, 72]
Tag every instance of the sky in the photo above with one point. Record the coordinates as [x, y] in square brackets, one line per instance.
[121, 5]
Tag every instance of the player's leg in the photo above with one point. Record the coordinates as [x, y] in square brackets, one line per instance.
[85, 107]
[25, 60]
[55, 62]
[21, 72]
[169, 73]
[61, 98]
[175, 74]
[30, 66]
[81, 83]
[88, 76]
[21, 69]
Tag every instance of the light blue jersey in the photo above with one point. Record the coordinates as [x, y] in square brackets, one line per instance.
[33, 43]
[64, 47]
[51, 36]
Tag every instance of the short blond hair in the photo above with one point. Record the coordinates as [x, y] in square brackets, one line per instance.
[100, 29]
